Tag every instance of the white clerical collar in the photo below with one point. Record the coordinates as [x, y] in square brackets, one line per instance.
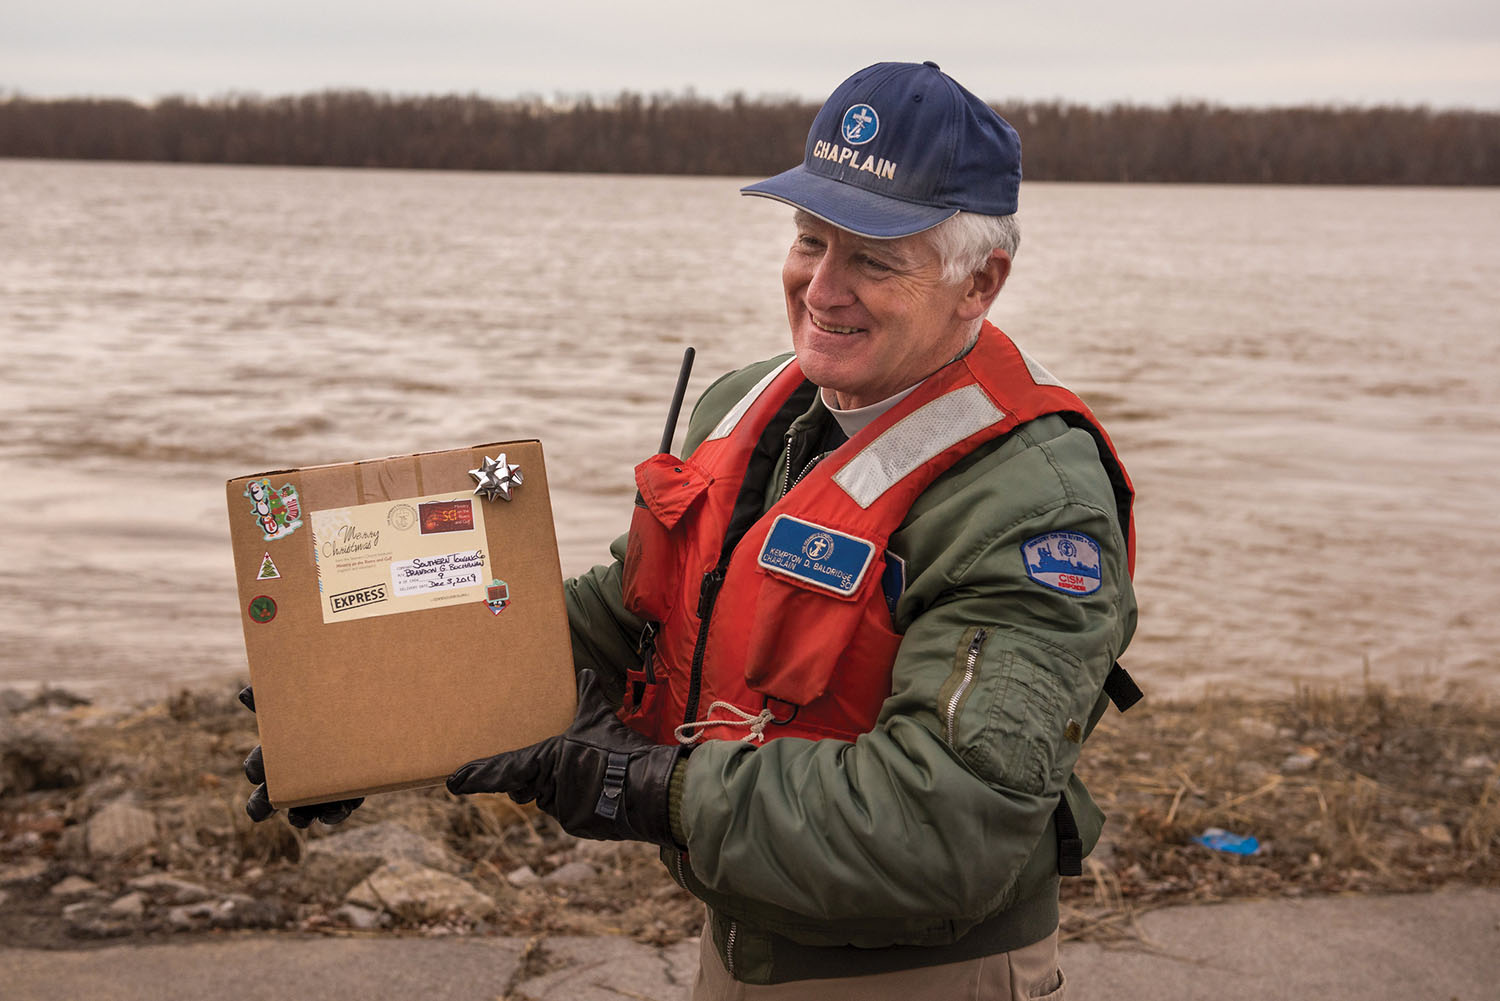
[854, 421]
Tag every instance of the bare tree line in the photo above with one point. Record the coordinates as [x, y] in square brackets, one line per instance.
[685, 134]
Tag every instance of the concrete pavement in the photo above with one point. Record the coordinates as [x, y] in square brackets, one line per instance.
[1443, 946]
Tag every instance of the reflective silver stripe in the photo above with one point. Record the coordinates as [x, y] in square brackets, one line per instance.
[915, 439]
[1039, 373]
[746, 402]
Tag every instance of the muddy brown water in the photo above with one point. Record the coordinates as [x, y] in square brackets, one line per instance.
[1304, 382]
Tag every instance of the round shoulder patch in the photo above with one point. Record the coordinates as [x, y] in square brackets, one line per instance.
[1064, 561]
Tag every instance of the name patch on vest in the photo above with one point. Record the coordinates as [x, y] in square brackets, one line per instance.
[1064, 561]
[820, 556]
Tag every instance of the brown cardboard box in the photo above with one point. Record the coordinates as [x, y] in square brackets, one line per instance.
[398, 624]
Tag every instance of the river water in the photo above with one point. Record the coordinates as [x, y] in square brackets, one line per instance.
[1304, 382]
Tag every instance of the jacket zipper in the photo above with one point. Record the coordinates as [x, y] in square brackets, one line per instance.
[787, 480]
[734, 928]
[971, 665]
[808, 468]
[708, 594]
[786, 473]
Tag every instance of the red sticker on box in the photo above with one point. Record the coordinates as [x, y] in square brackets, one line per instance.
[447, 516]
[262, 609]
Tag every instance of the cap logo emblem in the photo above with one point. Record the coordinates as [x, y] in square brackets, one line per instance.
[860, 125]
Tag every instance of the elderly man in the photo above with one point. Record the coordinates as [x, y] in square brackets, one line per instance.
[842, 665]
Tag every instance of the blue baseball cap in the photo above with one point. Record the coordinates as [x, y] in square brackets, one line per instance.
[898, 148]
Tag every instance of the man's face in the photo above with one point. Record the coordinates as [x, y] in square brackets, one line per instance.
[870, 317]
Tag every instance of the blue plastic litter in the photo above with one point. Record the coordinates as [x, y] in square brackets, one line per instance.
[1221, 840]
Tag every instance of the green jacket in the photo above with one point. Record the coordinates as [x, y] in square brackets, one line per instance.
[929, 839]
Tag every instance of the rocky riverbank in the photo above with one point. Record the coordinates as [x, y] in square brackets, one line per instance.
[128, 825]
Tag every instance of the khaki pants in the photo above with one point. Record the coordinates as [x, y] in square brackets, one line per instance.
[1030, 973]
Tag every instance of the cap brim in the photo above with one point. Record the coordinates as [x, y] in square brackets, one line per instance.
[849, 207]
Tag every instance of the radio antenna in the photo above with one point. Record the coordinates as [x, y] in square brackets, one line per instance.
[676, 408]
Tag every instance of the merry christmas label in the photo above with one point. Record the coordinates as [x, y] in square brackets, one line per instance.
[377, 559]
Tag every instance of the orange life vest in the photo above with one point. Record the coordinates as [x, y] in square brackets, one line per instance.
[798, 638]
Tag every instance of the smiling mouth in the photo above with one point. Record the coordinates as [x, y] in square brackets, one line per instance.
[833, 328]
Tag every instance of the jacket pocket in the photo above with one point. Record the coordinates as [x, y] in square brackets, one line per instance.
[1001, 712]
[1057, 993]
[668, 488]
[796, 625]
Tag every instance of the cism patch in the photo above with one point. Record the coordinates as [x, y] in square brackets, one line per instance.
[820, 556]
[1064, 561]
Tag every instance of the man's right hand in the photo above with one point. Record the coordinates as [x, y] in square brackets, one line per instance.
[258, 807]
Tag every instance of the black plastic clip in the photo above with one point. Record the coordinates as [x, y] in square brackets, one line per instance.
[614, 785]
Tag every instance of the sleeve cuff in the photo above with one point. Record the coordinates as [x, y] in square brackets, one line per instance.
[675, 788]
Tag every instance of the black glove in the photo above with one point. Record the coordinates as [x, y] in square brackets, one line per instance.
[259, 807]
[599, 778]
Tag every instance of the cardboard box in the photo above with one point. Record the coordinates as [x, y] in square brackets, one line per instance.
[397, 623]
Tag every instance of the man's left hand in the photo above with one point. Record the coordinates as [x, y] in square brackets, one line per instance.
[599, 778]
[259, 807]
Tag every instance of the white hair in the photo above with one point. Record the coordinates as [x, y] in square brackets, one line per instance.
[964, 241]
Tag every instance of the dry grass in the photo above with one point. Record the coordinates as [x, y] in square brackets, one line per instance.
[1371, 791]
[1364, 792]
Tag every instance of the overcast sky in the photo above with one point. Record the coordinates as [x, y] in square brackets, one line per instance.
[1444, 53]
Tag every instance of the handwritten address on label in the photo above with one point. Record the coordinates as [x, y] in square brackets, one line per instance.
[443, 572]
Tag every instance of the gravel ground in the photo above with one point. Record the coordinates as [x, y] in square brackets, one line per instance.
[126, 826]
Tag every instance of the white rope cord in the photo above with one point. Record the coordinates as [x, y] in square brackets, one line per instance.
[689, 732]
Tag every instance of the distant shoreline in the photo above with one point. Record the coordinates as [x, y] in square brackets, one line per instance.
[738, 136]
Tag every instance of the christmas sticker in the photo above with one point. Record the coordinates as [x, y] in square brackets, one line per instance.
[497, 595]
[262, 609]
[268, 569]
[278, 512]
